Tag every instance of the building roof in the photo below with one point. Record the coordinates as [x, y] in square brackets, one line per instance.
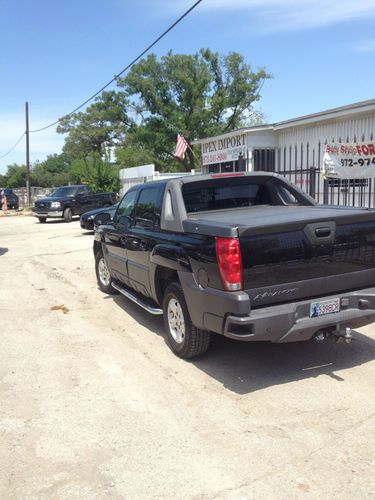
[361, 107]
[342, 112]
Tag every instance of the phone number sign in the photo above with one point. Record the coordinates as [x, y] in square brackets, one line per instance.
[223, 149]
[349, 161]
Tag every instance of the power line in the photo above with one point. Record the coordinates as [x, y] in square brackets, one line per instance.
[13, 147]
[125, 69]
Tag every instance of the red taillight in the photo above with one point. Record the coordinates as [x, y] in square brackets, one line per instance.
[230, 263]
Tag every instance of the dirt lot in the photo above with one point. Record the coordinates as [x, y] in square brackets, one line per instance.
[94, 405]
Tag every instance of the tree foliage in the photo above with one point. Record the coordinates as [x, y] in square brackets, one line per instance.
[97, 172]
[54, 171]
[134, 153]
[15, 176]
[100, 127]
[197, 95]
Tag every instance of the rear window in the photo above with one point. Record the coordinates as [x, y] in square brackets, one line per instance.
[218, 194]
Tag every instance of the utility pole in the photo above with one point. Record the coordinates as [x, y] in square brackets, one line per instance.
[28, 193]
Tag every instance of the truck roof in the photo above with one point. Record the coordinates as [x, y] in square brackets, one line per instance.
[203, 177]
[187, 179]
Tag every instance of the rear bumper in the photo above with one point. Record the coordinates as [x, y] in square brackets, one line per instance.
[229, 313]
[292, 322]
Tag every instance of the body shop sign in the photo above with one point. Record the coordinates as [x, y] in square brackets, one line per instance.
[222, 150]
[349, 161]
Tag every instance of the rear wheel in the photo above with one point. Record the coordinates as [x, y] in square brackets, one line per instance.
[103, 275]
[42, 219]
[185, 339]
[68, 215]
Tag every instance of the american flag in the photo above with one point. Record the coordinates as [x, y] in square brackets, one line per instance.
[181, 146]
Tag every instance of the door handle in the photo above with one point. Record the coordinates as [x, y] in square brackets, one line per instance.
[322, 232]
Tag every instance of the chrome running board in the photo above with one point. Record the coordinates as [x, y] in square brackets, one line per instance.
[137, 300]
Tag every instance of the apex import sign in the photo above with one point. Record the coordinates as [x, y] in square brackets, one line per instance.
[349, 161]
[222, 150]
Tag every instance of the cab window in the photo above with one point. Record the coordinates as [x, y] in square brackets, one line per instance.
[126, 207]
[82, 190]
[147, 213]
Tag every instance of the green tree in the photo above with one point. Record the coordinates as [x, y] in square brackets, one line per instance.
[15, 176]
[102, 126]
[197, 95]
[134, 153]
[54, 171]
[97, 172]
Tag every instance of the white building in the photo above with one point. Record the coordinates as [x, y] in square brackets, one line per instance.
[295, 148]
[145, 173]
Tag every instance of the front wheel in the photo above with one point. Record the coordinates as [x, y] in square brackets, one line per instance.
[185, 339]
[102, 275]
[68, 215]
[42, 219]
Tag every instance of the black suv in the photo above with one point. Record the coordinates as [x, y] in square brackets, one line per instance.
[12, 198]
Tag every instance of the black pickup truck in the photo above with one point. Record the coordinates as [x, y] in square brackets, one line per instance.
[67, 201]
[249, 256]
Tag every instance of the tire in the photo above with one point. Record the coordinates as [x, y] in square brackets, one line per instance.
[68, 215]
[42, 220]
[184, 339]
[102, 275]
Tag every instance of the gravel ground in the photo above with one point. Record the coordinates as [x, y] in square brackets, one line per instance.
[95, 406]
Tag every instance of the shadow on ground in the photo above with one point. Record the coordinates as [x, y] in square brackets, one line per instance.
[245, 367]
[86, 232]
[57, 221]
[3, 250]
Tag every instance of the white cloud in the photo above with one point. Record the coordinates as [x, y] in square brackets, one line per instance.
[41, 143]
[276, 15]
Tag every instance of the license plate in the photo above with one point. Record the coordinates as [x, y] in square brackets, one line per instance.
[326, 307]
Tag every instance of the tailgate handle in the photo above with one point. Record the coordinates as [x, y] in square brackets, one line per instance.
[322, 232]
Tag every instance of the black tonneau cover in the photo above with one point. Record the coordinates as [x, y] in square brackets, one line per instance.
[296, 252]
[262, 219]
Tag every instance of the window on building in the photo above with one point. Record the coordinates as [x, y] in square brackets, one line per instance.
[240, 164]
[227, 167]
[214, 169]
[264, 160]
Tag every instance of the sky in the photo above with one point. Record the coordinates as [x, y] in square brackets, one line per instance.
[56, 54]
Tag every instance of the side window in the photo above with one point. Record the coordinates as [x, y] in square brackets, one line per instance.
[82, 190]
[126, 207]
[147, 214]
[287, 197]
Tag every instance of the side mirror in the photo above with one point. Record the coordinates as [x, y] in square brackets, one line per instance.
[102, 218]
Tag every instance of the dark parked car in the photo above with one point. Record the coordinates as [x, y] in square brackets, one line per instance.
[246, 255]
[67, 201]
[12, 198]
[87, 219]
